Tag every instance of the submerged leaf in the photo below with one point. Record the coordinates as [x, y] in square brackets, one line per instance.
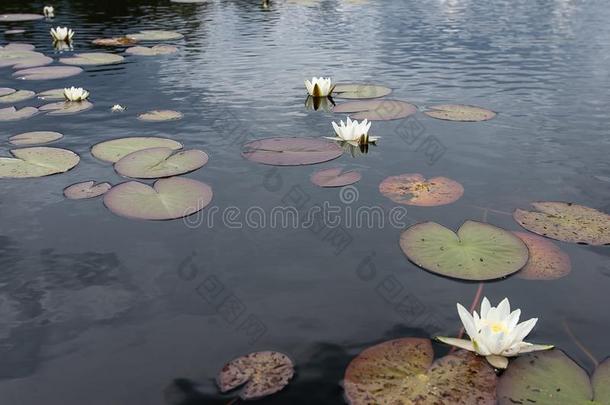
[155, 163]
[376, 110]
[458, 112]
[335, 177]
[37, 162]
[115, 149]
[546, 260]
[360, 91]
[291, 151]
[414, 189]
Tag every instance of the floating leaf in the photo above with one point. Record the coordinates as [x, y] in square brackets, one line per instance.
[47, 72]
[566, 222]
[403, 371]
[92, 58]
[477, 252]
[13, 114]
[13, 32]
[153, 163]
[17, 96]
[457, 112]
[552, 378]
[155, 35]
[546, 260]
[263, 373]
[376, 110]
[414, 189]
[5, 91]
[189, 1]
[115, 149]
[53, 94]
[67, 107]
[360, 91]
[171, 198]
[160, 115]
[117, 41]
[152, 51]
[291, 151]
[86, 189]
[37, 162]
[33, 138]
[335, 177]
[20, 56]
[20, 17]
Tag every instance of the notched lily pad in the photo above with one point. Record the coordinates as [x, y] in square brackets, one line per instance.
[37, 162]
[291, 151]
[152, 51]
[263, 373]
[47, 72]
[376, 110]
[66, 107]
[155, 35]
[153, 163]
[53, 94]
[115, 149]
[86, 189]
[34, 138]
[116, 41]
[170, 198]
[458, 112]
[546, 260]
[414, 189]
[566, 222]
[403, 371]
[160, 115]
[92, 59]
[335, 177]
[17, 96]
[13, 114]
[22, 56]
[360, 91]
[15, 17]
[477, 252]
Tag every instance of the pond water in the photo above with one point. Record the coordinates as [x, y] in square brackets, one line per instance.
[99, 309]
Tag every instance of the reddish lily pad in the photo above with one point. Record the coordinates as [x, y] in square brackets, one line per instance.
[414, 189]
[34, 138]
[458, 112]
[376, 110]
[263, 373]
[291, 151]
[116, 41]
[152, 51]
[566, 222]
[155, 163]
[546, 260]
[360, 91]
[47, 72]
[17, 96]
[20, 17]
[13, 114]
[86, 189]
[116, 149]
[66, 107]
[37, 162]
[552, 378]
[92, 59]
[403, 371]
[478, 251]
[170, 198]
[335, 177]
[160, 115]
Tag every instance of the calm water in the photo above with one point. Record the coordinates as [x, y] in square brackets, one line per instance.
[98, 309]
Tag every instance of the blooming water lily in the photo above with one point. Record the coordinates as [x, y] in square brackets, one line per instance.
[319, 87]
[353, 132]
[117, 108]
[48, 11]
[64, 34]
[76, 94]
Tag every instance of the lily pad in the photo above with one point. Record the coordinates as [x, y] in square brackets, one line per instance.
[160, 115]
[14, 32]
[34, 138]
[47, 72]
[414, 189]
[13, 114]
[376, 110]
[155, 35]
[335, 177]
[291, 151]
[53, 94]
[21, 56]
[546, 260]
[263, 373]
[566, 222]
[86, 189]
[403, 371]
[92, 59]
[17, 96]
[116, 41]
[37, 162]
[552, 378]
[153, 163]
[116, 149]
[20, 17]
[66, 107]
[170, 198]
[152, 51]
[477, 252]
[457, 112]
[5, 91]
[360, 91]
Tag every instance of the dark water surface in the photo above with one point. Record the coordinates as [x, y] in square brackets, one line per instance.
[98, 309]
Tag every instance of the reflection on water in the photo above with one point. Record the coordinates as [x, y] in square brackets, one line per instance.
[98, 309]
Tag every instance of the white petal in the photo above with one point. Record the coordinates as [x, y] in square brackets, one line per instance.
[500, 362]
[530, 347]
[467, 321]
[461, 343]
[485, 307]
[523, 329]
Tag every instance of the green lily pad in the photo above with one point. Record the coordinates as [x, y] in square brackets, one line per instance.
[546, 260]
[92, 59]
[376, 110]
[552, 378]
[86, 189]
[155, 35]
[477, 252]
[160, 115]
[17, 96]
[47, 72]
[566, 222]
[15, 17]
[5, 91]
[458, 112]
[13, 114]
[403, 371]
[53, 94]
[152, 51]
[414, 189]
[170, 198]
[20, 57]
[116, 149]
[291, 151]
[360, 91]
[34, 138]
[335, 177]
[153, 163]
[66, 107]
[261, 374]
[116, 41]
[37, 162]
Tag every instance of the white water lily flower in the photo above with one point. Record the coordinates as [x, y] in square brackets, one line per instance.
[353, 132]
[76, 94]
[319, 87]
[64, 34]
[117, 108]
[48, 11]
[495, 334]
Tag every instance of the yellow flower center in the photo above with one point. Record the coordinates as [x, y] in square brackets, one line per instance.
[497, 327]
